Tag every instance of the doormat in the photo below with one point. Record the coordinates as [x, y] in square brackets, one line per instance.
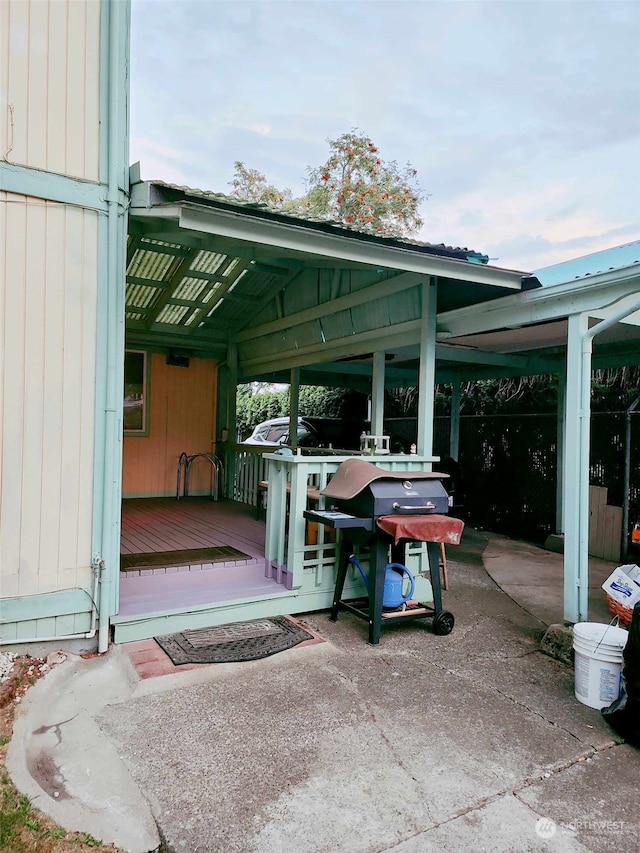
[232, 643]
[190, 557]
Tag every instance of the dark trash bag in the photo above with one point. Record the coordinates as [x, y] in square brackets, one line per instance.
[623, 715]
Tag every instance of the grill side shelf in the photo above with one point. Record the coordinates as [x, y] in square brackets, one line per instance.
[338, 520]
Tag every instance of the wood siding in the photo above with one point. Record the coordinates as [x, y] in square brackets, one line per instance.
[181, 419]
[49, 80]
[48, 286]
[605, 525]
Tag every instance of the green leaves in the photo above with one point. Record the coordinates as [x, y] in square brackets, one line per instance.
[355, 186]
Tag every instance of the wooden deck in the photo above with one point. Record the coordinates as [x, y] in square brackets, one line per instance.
[164, 524]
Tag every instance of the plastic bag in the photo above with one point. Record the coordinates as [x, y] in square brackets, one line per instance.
[623, 715]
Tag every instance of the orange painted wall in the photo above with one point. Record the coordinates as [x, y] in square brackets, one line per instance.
[182, 410]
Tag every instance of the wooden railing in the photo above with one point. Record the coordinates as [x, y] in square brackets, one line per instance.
[295, 562]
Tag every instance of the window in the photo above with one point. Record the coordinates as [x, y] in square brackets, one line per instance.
[136, 393]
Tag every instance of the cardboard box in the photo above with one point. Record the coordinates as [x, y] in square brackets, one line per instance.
[621, 587]
[632, 571]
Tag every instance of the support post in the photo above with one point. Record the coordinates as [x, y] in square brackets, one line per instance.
[294, 406]
[560, 428]
[377, 394]
[575, 479]
[426, 380]
[454, 429]
[232, 425]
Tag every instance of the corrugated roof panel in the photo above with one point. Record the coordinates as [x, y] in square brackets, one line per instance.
[254, 283]
[607, 260]
[215, 307]
[191, 317]
[153, 265]
[192, 288]
[209, 262]
[172, 314]
[132, 315]
[153, 242]
[140, 296]
[230, 267]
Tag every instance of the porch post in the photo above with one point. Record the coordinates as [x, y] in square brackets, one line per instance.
[426, 379]
[454, 429]
[294, 406]
[560, 427]
[222, 405]
[377, 394]
[575, 487]
[232, 425]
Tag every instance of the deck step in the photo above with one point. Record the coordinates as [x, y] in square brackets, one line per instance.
[198, 567]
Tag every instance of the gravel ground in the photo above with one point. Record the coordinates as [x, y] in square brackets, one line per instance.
[6, 664]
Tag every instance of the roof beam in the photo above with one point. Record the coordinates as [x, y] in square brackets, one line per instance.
[170, 285]
[536, 306]
[219, 292]
[162, 340]
[385, 338]
[303, 238]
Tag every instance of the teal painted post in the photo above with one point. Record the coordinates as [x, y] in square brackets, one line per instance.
[294, 406]
[232, 391]
[114, 134]
[274, 548]
[377, 394]
[574, 479]
[426, 377]
[560, 431]
[454, 428]
[297, 524]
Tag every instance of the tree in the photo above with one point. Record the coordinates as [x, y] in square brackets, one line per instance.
[251, 185]
[355, 187]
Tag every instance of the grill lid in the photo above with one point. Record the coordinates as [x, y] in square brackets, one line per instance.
[354, 475]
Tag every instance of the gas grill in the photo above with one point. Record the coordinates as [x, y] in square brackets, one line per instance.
[384, 510]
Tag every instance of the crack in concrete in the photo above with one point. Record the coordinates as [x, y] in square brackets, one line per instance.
[369, 712]
[514, 791]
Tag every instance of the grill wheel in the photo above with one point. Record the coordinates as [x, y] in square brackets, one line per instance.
[443, 623]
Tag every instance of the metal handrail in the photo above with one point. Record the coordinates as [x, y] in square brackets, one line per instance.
[218, 472]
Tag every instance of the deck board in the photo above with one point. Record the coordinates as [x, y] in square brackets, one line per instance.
[164, 524]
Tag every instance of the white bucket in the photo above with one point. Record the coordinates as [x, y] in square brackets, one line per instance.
[598, 662]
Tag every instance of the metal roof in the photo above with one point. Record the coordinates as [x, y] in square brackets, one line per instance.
[205, 271]
[607, 260]
[441, 249]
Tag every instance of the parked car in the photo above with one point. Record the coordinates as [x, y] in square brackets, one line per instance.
[276, 431]
[338, 433]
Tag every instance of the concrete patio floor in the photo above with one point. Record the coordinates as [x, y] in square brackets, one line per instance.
[473, 741]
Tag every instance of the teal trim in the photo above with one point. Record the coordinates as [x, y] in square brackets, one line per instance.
[577, 326]
[114, 94]
[45, 606]
[128, 629]
[50, 186]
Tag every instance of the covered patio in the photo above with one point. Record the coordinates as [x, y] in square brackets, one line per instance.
[263, 296]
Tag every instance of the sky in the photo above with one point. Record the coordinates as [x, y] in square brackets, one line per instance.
[522, 118]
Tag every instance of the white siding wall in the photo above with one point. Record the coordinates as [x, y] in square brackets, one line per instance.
[49, 85]
[48, 282]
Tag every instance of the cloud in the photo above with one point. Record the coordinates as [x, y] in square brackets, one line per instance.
[522, 119]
